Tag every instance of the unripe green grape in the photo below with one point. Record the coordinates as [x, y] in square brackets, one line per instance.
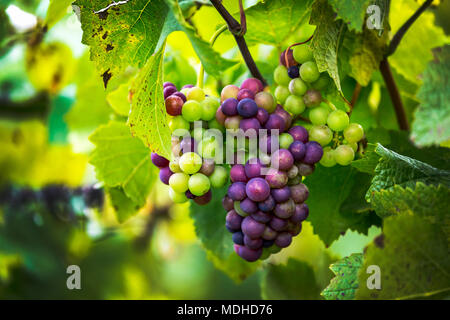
[281, 76]
[199, 184]
[191, 111]
[319, 115]
[294, 105]
[198, 133]
[344, 155]
[322, 82]
[219, 177]
[179, 182]
[328, 158]
[239, 211]
[297, 87]
[353, 145]
[174, 165]
[178, 123]
[338, 120]
[286, 140]
[209, 108]
[266, 101]
[309, 72]
[190, 162]
[322, 134]
[214, 124]
[354, 132]
[303, 53]
[281, 94]
[195, 93]
[207, 148]
[177, 197]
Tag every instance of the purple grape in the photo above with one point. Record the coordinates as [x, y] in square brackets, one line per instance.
[305, 169]
[295, 229]
[247, 108]
[268, 243]
[165, 174]
[233, 220]
[262, 217]
[253, 170]
[168, 91]
[237, 191]
[252, 228]
[204, 199]
[229, 107]
[282, 159]
[168, 84]
[283, 240]
[227, 202]
[267, 205]
[301, 213]
[281, 195]
[237, 173]
[247, 253]
[262, 115]
[220, 116]
[257, 189]
[159, 161]
[252, 243]
[189, 195]
[188, 144]
[314, 152]
[207, 167]
[299, 193]
[312, 98]
[188, 86]
[298, 150]
[181, 95]
[285, 210]
[238, 238]
[278, 224]
[253, 84]
[245, 94]
[299, 133]
[269, 234]
[248, 206]
[276, 179]
[275, 122]
[285, 115]
[251, 123]
[293, 72]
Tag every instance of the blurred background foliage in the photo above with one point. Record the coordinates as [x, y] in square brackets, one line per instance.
[45, 122]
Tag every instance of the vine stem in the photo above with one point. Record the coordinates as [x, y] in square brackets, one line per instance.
[293, 45]
[238, 32]
[355, 97]
[201, 74]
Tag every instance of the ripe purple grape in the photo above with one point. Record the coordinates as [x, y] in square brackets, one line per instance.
[293, 72]
[188, 86]
[227, 203]
[188, 144]
[238, 238]
[278, 224]
[220, 116]
[165, 174]
[174, 104]
[245, 94]
[262, 115]
[168, 84]
[253, 168]
[257, 189]
[285, 210]
[301, 213]
[276, 178]
[285, 115]
[189, 195]
[229, 107]
[253, 84]
[267, 205]
[168, 91]
[298, 150]
[299, 133]
[268, 243]
[237, 191]
[299, 193]
[237, 173]
[252, 228]
[283, 240]
[252, 243]
[262, 217]
[295, 229]
[269, 234]
[181, 95]
[204, 199]
[233, 220]
[305, 169]
[248, 124]
[159, 161]
[282, 159]
[314, 152]
[207, 167]
[247, 253]
[247, 108]
[275, 122]
[290, 56]
[248, 206]
[281, 195]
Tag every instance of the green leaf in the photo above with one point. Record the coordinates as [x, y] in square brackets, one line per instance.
[327, 215]
[432, 117]
[413, 258]
[122, 161]
[57, 9]
[273, 22]
[118, 100]
[351, 12]
[344, 285]
[124, 207]
[293, 281]
[148, 117]
[369, 162]
[209, 222]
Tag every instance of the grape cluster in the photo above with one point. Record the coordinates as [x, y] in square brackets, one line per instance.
[299, 85]
[265, 201]
[192, 171]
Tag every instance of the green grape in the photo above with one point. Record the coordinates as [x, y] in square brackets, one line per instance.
[174, 165]
[294, 105]
[209, 107]
[322, 134]
[285, 140]
[239, 211]
[309, 71]
[354, 132]
[190, 162]
[297, 87]
[303, 53]
[196, 94]
[281, 94]
[199, 184]
[219, 177]
[344, 155]
[353, 145]
[191, 111]
[281, 76]
[207, 147]
[304, 32]
[319, 115]
[322, 82]
[178, 123]
[328, 157]
[198, 133]
[338, 120]
[185, 91]
[266, 101]
[214, 124]
[179, 182]
[177, 197]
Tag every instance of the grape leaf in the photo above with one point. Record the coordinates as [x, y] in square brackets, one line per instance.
[432, 118]
[57, 9]
[369, 162]
[343, 286]
[351, 12]
[124, 207]
[327, 216]
[122, 161]
[293, 281]
[272, 22]
[412, 255]
[118, 100]
[209, 222]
